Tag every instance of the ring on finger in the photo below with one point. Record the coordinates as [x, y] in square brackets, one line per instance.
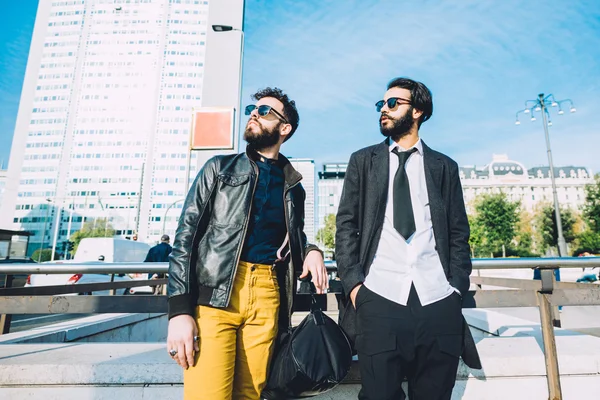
[172, 352]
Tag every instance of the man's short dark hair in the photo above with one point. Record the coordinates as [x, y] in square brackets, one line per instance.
[420, 96]
[290, 111]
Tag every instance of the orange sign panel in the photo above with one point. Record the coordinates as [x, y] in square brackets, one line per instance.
[212, 129]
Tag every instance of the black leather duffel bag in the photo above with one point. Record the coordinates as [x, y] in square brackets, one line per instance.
[311, 359]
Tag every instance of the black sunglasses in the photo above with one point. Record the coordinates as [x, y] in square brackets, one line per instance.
[263, 110]
[391, 103]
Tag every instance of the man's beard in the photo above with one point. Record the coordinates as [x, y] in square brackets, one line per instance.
[401, 126]
[263, 139]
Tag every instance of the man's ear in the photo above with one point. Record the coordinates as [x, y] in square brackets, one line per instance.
[417, 114]
[285, 130]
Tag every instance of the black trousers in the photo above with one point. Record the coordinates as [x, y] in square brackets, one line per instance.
[422, 344]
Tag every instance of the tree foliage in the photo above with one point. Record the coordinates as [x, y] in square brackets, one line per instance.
[494, 224]
[591, 207]
[326, 235]
[545, 223]
[525, 235]
[588, 241]
[92, 229]
[45, 256]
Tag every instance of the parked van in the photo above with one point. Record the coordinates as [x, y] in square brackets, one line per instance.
[93, 250]
[112, 249]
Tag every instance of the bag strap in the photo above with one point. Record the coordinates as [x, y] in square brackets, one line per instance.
[316, 311]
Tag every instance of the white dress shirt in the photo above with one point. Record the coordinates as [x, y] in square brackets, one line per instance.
[400, 263]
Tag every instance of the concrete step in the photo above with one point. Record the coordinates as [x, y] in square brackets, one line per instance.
[513, 367]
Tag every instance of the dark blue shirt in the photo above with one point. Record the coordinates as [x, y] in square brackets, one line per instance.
[266, 228]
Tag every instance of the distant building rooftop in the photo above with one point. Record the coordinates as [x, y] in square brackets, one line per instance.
[503, 168]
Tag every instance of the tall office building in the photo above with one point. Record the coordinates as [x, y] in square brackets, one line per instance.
[331, 183]
[2, 185]
[306, 168]
[105, 114]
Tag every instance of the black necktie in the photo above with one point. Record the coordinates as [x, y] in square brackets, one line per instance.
[404, 219]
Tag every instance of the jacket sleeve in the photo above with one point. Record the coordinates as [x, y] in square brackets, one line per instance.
[149, 257]
[347, 236]
[458, 230]
[180, 287]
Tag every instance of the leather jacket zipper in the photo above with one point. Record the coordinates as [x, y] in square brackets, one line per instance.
[287, 225]
[249, 214]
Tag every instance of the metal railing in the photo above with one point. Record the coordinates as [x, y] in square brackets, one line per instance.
[544, 294]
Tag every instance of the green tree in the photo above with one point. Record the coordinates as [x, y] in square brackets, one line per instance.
[494, 223]
[591, 207]
[45, 256]
[524, 236]
[326, 235]
[588, 241]
[546, 225]
[476, 239]
[92, 229]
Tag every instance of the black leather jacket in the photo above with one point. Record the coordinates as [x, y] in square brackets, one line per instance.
[212, 229]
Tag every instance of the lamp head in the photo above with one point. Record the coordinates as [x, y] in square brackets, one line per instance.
[222, 28]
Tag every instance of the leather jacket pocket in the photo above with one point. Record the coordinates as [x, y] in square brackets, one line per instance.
[234, 180]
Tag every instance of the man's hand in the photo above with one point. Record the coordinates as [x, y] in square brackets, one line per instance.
[314, 264]
[182, 331]
[353, 294]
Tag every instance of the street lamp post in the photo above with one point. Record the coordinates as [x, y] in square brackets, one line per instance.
[227, 28]
[541, 105]
[166, 212]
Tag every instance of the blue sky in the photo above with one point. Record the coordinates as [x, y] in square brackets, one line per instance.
[481, 59]
[16, 28]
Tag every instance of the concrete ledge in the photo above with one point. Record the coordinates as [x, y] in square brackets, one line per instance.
[580, 388]
[499, 324]
[513, 367]
[149, 363]
[104, 327]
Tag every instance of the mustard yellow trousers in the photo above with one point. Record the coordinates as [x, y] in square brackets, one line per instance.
[236, 343]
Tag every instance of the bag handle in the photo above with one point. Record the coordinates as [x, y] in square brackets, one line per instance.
[315, 310]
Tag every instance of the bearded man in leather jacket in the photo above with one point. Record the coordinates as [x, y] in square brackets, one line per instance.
[238, 248]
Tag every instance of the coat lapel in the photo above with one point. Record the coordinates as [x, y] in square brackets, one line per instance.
[434, 176]
[379, 172]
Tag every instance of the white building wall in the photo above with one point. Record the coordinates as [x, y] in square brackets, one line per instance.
[306, 168]
[330, 191]
[2, 185]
